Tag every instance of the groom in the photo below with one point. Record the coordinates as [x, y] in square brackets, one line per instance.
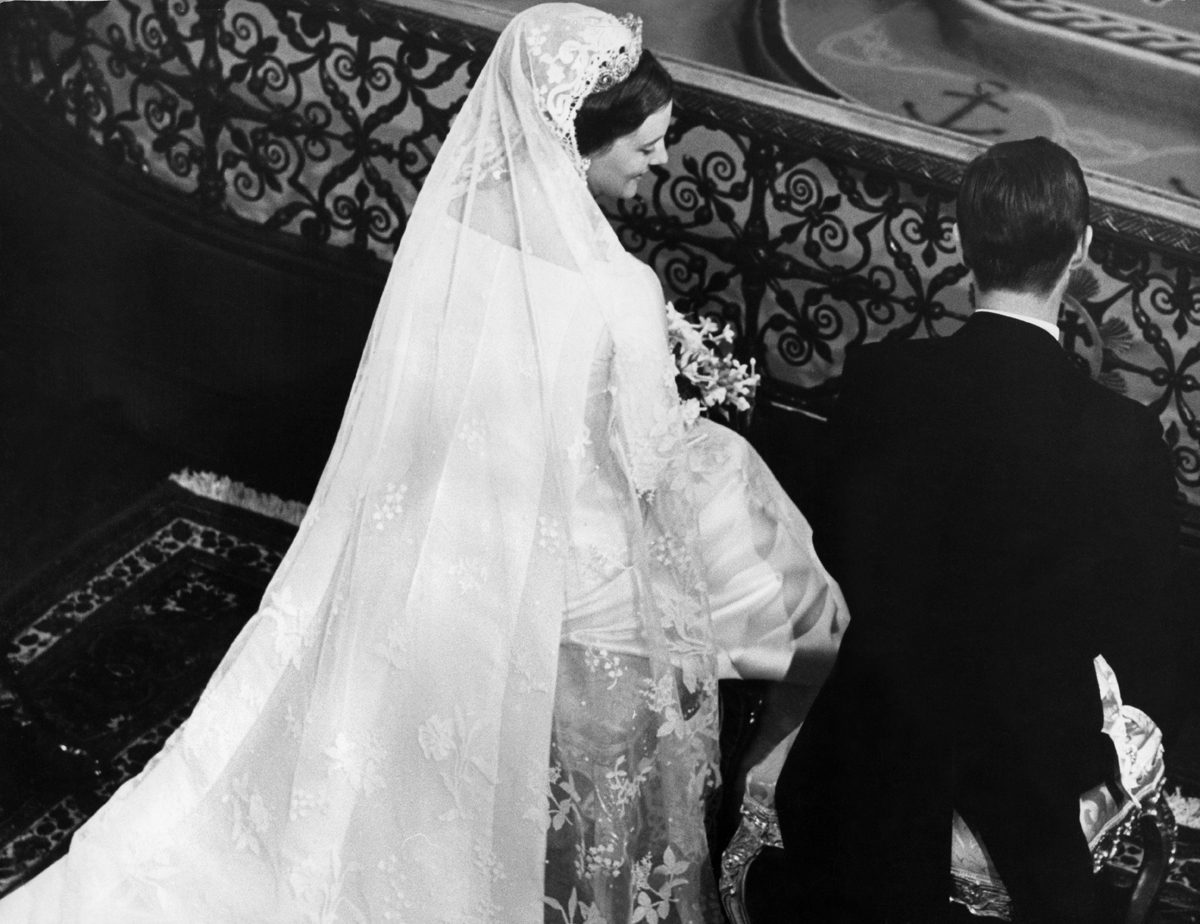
[997, 520]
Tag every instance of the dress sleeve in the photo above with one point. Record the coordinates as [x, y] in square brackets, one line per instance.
[777, 614]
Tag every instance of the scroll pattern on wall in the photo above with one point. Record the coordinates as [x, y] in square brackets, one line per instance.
[321, 119]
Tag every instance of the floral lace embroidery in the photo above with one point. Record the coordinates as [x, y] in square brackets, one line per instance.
[680, 611]
[392, 505]
[436, 738]
[541, 794]
[654, 888]
[623, 788]
[470, 574]
[604, 562]
[654, 902]
[656, 456]
[251, 820]
[598, 659]
[550, 535]
[394, 651]
[672, 552]
[439, 738]
[488, 161]
[304, 803]
[520, 667]
[488, 863]
[317, 883]
[295, 724]
[474, 434]
[251, 698]
[396, 903]
[358, 764]
[661, 696]
[290, 635]
[576, 911]
[567, 807]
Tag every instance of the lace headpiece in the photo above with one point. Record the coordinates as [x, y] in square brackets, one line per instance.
[575, 51]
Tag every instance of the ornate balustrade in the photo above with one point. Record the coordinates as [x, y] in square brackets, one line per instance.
[808, 223]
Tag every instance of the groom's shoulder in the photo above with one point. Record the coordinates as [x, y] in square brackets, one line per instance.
[892, 359]
[1116, 416]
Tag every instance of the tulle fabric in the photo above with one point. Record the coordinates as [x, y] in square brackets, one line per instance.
[482, 684]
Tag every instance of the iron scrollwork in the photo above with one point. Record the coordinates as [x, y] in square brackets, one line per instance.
[803, 253]
[317, 118]
[1159, 360]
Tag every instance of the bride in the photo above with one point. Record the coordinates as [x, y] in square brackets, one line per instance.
[482, 686]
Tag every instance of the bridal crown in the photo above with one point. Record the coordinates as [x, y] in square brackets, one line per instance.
[625, 58]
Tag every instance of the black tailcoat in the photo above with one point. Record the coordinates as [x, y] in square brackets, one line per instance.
[996, 519]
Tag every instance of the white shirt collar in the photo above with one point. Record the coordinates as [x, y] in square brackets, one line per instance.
[1051, 329]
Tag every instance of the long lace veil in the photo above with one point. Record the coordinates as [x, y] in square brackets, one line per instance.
[409, 721]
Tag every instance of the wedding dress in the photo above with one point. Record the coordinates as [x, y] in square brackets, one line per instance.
[482, 684]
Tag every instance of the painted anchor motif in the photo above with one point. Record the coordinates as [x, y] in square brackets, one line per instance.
[984, 94]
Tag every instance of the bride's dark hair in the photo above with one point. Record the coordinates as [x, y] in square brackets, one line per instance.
[606, 116]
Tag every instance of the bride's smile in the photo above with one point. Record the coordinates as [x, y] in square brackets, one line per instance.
[615, 170]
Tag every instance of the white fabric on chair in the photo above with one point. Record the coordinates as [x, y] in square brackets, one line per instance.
[1138, 743]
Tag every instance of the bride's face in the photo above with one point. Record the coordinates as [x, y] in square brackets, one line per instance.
[616, 170]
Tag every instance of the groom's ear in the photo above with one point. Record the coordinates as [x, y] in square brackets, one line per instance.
[1081, 249]
[958, 244]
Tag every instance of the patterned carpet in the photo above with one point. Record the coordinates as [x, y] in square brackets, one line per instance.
[1113, 81]
[115, 645]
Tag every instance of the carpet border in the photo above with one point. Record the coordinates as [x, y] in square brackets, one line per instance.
[110, 535]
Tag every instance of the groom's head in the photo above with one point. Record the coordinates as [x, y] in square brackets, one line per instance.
[1022, 211]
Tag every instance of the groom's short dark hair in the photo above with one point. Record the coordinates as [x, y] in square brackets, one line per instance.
[1022, 208]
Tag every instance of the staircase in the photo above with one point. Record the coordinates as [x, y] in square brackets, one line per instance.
[200, 200]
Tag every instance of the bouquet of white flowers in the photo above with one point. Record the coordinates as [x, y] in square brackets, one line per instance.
[709, 378]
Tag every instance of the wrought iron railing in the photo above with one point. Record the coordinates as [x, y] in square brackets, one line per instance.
[808, 223]
[313, 117]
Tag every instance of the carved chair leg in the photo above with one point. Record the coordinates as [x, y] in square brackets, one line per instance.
[758, 829]
[1159, 833]
[733, 891]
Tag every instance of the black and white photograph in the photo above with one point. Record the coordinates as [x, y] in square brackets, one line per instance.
[636, 462]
